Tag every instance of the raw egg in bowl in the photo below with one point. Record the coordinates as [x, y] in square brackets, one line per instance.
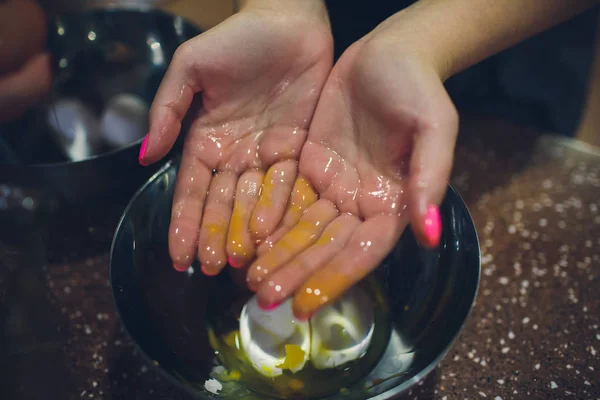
[207, 335]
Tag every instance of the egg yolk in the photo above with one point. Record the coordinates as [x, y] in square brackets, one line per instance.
[232, 339]
[296, 384]
[212, 340]
[294, 357]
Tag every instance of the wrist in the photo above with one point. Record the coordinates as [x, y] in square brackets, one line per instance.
[453, 35]
[315, 10]
[410, 33]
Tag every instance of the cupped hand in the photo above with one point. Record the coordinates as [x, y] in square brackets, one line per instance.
[378, 155]
[259, 75]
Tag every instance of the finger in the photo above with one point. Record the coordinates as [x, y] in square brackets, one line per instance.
[369, 245]
[25, 87]
[305, 233]
[274, 195]
[240, 244]
[171, 103]
[282, 143]
[285, 281]
[193, 180]
[215, 222]
[303, 196]
[430, 167]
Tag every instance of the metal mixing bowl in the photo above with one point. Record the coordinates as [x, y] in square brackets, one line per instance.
[430, 295]
[97, 54]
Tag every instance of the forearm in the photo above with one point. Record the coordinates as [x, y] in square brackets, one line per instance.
[455, 34]
[312, 8]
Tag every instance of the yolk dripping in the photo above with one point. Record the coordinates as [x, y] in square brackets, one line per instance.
[303, 196]
[239, 245]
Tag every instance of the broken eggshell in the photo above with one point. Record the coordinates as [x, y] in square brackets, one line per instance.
[339, 333]
[342, 332]
[264, 335]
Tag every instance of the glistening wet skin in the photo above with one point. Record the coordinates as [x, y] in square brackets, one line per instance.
[168, 314]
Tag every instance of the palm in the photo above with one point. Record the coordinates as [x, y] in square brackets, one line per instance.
[259, 76]
[256, 93]
[359, 159]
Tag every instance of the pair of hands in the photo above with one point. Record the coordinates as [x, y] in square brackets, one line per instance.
[304, 172]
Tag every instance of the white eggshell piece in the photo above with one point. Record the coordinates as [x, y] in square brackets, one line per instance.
[264, 335]
[125, 120]
[342, 332]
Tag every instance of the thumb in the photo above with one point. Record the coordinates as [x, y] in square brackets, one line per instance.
[171, 103]
[430, 167]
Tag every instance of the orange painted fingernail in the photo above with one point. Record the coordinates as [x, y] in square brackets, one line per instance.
[143, 148]
[180, 268]
[433, 226]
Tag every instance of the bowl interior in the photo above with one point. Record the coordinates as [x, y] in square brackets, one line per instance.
[97, 54]
[430, 294]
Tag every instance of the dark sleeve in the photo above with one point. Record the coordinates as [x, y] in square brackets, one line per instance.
[540, 82]
[353, 19]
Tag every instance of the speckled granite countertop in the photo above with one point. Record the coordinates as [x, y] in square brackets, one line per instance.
[534, 332]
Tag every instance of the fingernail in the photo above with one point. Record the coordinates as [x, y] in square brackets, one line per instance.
[234, 263]
[268, 307]
[303, 317]
[208, 272]
[180, 268]
[143, 151]
[433, 226]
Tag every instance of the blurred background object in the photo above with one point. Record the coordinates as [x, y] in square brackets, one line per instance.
[108, 64]
[547, 81]
[589, 125]
[204, 13]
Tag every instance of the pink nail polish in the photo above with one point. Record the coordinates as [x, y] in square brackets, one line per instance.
[180, 268]
[208, 272]
[233, 262]
[433, 226]
[143, 152]
[268, 307]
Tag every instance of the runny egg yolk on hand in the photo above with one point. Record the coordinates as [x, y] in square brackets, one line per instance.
[274, 341]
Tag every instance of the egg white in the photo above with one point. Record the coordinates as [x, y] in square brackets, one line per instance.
[353, 315]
